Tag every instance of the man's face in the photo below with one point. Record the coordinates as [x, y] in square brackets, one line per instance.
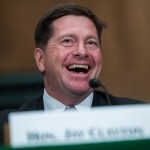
[72, 56]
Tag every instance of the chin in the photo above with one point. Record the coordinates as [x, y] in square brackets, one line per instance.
[81, 91]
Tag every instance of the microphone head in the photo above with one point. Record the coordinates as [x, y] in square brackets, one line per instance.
[94, 83]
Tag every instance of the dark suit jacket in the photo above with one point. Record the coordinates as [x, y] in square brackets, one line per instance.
[37, 104]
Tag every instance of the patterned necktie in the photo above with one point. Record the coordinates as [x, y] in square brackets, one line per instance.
[70, 108]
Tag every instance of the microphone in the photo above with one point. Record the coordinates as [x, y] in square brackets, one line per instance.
[95, 83]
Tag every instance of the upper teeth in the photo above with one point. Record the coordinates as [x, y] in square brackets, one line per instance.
[78, 66]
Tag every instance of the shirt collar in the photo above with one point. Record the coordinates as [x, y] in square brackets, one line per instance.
[52, 104]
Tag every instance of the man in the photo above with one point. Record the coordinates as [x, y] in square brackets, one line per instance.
[68, 54]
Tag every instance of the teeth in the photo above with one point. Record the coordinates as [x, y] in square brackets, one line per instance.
[78, 66]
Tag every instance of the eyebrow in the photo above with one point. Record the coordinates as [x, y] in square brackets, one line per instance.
[74, 35]
[67, 35]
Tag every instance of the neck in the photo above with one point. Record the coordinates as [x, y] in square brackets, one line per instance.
[68, 98]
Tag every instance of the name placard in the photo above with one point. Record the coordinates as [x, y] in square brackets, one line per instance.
[103, 124]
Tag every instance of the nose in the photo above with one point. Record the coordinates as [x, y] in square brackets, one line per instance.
[80, 51]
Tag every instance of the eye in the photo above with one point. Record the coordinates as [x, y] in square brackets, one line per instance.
[68, 42]
[92, 44]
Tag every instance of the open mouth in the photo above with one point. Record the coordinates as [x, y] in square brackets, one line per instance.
[78, 68]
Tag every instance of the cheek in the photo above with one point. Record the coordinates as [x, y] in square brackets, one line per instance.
[59, 57]
[98, 64]
[97, 58]
[50, 60]
[62, 56]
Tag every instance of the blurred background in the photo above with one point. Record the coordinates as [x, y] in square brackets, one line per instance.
[125, 48]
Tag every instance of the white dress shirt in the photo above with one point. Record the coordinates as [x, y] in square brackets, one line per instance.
[52, 104]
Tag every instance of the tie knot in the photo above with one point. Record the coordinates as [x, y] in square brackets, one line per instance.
[68, 108]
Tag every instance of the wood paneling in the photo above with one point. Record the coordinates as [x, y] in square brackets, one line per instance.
[126, 42]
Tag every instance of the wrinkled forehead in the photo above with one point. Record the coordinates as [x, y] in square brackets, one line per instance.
[72, 22]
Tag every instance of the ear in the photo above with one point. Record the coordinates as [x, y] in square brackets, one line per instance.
[39, 58]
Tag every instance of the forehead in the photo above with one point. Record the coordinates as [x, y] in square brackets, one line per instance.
[73, 22]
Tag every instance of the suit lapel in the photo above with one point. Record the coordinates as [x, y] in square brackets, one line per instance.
[36, 104]
[99, 99]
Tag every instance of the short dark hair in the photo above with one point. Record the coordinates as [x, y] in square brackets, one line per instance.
[44, 29]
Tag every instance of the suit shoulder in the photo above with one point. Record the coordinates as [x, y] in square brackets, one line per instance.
[34, 104]
[124, 100]
[118, 100]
